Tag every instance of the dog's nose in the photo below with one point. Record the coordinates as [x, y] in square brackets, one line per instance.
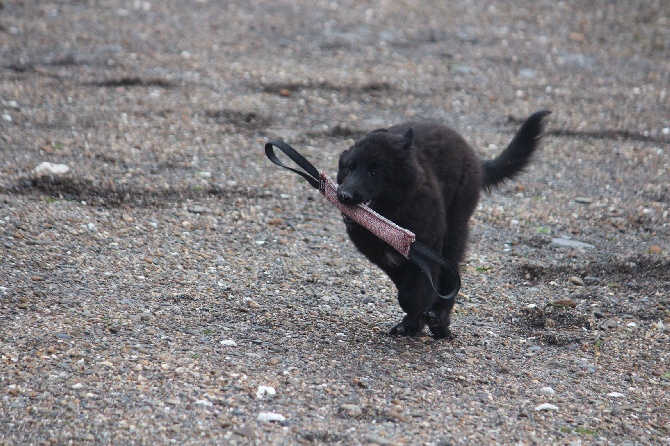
[344, 197]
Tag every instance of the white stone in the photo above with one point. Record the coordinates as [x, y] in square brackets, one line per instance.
[47, 168]
[559, 242]
[546, 406]
[616, 395]
[229, 343]
[204, 403]
[270, 416]
[265, 390]
[547, 390]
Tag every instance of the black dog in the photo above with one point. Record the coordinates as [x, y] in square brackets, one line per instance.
[424, 177]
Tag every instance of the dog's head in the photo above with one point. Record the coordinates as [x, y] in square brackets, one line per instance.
[374, 167]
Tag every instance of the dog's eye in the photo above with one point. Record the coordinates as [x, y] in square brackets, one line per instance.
[373, 172]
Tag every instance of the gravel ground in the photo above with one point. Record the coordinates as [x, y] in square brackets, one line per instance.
[175, 287]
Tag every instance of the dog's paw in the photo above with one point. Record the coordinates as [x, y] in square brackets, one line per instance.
[405, 329]
[438, 323]
[441, 332]
[431, 318]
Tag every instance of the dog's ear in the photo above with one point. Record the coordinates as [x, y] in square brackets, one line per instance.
[342, 155]
[409, 138]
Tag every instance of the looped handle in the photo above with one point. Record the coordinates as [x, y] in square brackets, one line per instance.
[420, 254]
[311, 174]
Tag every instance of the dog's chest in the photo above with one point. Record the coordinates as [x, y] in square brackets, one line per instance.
[391, 259]
[374, 249]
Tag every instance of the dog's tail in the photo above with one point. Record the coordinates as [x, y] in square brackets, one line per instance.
[517, 155]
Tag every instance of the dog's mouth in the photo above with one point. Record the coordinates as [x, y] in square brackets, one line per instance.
[350, 222]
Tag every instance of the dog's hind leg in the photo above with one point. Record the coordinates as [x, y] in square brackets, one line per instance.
[453, 249]
[438, 318]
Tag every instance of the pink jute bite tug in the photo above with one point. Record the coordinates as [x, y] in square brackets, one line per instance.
[399, 238]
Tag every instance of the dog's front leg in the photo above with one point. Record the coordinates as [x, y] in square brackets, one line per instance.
[415, 296]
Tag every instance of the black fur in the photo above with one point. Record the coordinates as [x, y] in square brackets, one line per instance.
[424, 177]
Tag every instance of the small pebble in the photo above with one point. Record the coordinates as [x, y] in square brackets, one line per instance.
[265, 390]
[563, 303]
[245, 431]
[198, 209]
[576, 281]
[563, 242]
[373, 439]
[270, 417]
[252, 303]
[351, 410]
[546, 407]
[46, 168]
[608, 324]
[547, 390]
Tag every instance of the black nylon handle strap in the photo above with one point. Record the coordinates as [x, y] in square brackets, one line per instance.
[311, 174]
[419, 254]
